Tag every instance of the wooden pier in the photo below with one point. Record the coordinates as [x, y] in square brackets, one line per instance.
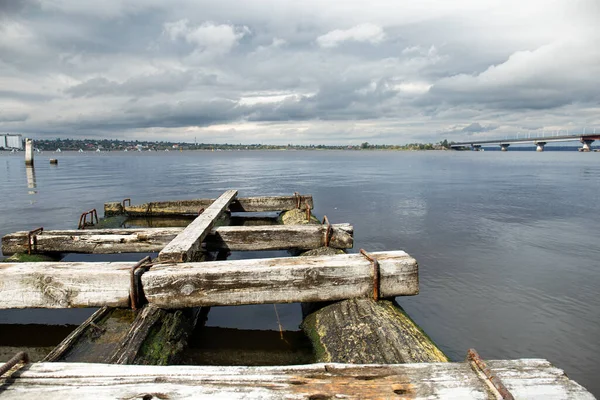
[365, 345]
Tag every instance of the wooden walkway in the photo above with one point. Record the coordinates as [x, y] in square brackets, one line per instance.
[526, 379]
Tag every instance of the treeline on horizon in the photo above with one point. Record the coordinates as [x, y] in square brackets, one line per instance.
[119, 145]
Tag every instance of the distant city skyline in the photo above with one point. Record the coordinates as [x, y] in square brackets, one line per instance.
[382, 71]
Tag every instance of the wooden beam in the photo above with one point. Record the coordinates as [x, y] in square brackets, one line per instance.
[191, 207]
[64, 284]
[187, 244]
[279, 280]
[148, 240]
[526, 379]
[258, 281]
[390, 336]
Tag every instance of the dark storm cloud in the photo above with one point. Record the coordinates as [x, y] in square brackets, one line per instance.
[298, 69]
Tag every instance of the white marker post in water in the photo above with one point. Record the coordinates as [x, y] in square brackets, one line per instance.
[29, 152]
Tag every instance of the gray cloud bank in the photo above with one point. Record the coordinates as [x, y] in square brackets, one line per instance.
[383, 71]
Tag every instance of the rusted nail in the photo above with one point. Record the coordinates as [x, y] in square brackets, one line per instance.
[200, 211]
[135, 290]
[31, 235]
[307, 210]
[21, 356]
[376, 273]
[473, 356]
[328, 232]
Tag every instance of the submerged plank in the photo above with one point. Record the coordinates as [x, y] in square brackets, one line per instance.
[187, 244]
[527, 378]
[146, 240]
[279, 280]
[64, 284]
[191, 207]
[339, 334]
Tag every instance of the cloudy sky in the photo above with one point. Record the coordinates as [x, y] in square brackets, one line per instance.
[311, 71]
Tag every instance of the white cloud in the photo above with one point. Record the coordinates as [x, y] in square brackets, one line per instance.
[207, 36]
[368, 33]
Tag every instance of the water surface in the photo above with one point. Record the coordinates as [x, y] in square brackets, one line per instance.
[507, 243]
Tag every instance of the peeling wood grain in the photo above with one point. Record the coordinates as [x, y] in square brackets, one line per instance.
[258, 281]
[191, 207]
[528, 378]
[64, 284]
[187, 244]
[278, 280]
[146, 240]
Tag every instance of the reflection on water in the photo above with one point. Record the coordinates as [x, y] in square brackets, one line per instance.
[507, 243]
[31, 184]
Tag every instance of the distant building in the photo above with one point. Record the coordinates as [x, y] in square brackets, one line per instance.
[9, 141]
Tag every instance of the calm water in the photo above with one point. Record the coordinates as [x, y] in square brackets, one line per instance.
[507, 243]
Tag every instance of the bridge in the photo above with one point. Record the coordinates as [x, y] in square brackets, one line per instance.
[539, 142]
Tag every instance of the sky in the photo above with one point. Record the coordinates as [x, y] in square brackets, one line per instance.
[299, 72]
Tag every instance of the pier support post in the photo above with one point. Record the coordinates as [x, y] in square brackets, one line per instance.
[540, 146]
[28, 152]
[587, 144]
[504, 146]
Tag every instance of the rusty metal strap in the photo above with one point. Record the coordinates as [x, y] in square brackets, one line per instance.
[297, 197]
[83, 218]
[136, 292]
[128, 200]
[376, 273]
[477, 362]
[21, 356]
[31, 238]
[328, 232]
[307, 210]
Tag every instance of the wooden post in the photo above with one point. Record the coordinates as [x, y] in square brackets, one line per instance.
[28, 152]
[187, 244]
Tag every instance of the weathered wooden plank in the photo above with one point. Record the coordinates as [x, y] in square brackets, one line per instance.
[187, 244]
[258, 281]
[339, 334]
[279, 280]
[526, 379]
[147, 240]
[64, 284]
[191, 207]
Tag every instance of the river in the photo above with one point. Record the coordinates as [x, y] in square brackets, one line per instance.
[508, 244]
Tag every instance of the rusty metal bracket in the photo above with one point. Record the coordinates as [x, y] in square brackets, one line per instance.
[83, 218]
[21, 356]
[297, 197]
[126, 200]
[477, 362]
[328, 232]
[376, 273]
[307, 210]
[31, 238]
[136, 292]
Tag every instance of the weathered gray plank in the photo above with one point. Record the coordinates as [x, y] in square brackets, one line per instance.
[279, 280]
[258, 281]
[64, 284]
[191, 207]
[147, 240]
[526, 379]
[187, 244]
[339, 334]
